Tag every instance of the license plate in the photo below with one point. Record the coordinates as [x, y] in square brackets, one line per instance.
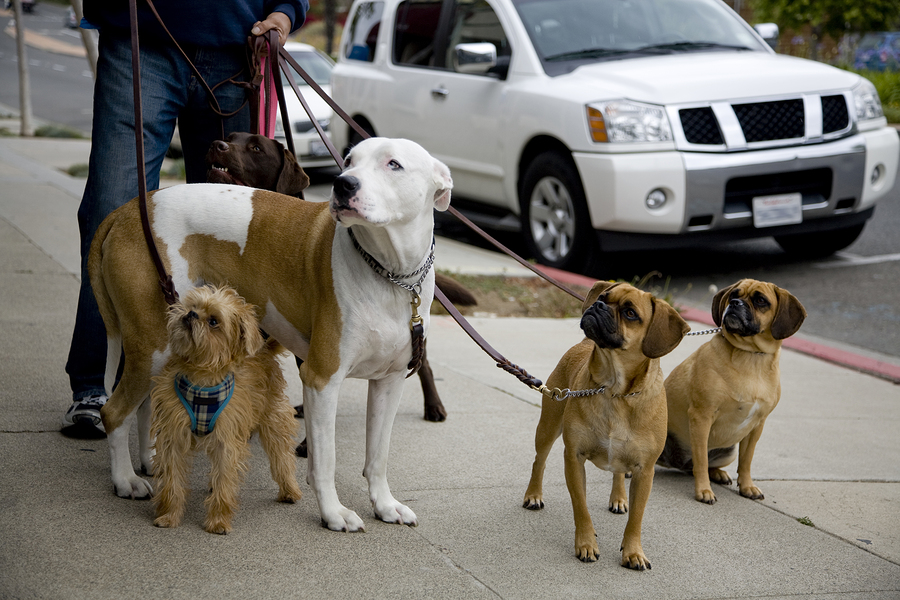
[318, 148]
[780, 209]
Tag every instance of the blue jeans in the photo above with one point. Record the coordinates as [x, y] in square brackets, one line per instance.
[169, 92]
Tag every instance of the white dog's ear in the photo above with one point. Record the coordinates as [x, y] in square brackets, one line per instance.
[443, 183]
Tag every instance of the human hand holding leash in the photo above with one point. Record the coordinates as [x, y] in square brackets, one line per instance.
[277, 21]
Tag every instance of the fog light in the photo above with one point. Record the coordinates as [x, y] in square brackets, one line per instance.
[655, 199]
[877, 174]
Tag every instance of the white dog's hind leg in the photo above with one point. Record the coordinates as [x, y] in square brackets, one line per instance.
[127, 483]
[384, 399]
[320, 412]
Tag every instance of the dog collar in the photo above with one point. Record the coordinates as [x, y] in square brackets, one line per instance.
[204, 404]
[416, 328]
[561, 394]
[398, 280]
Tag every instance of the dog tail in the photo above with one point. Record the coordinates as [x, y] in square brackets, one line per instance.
[456, 292]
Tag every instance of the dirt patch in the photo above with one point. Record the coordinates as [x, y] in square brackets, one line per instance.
[500, 296]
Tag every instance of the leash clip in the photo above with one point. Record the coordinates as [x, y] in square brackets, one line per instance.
[416, 318]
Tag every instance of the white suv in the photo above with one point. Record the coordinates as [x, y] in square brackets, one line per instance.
[619, 124]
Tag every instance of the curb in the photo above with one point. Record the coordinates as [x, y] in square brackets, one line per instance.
[844, 358]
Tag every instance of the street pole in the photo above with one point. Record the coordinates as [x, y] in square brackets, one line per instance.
[25, 115]
[88, 41]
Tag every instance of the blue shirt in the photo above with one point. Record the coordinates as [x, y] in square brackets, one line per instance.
[203, 23]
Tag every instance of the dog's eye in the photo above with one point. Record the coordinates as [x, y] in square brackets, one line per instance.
[630, 314]
[347, 162]
[395, 166]
[213, 322]
[255, 148]
[760, 301]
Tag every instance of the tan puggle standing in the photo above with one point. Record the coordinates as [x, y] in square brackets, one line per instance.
[721, 394]
[222, 383]
[621, 426]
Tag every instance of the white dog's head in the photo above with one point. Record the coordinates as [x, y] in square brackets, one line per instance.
[389, 181]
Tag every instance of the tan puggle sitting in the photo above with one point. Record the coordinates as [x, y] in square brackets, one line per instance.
[621, 426]
[721, 394]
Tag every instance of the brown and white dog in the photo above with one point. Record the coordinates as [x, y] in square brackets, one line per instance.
[223, 382]
[720, 396]
[255, 161]
[252, 160]
[316, 294]
[621, 426]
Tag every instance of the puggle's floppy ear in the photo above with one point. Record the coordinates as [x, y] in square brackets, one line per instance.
[720, 303]
[597, 289]
[788, 316]
[444, 184]
[293, 179]
[665, 332]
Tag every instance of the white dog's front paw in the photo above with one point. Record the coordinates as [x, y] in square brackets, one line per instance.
[394, 512]
[134, 487]
[343, 519]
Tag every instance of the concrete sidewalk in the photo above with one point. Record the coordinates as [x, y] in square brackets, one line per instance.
[830, 455]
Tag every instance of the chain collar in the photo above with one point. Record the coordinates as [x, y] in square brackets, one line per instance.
[421, 272]
[704, 332]
[561, 394]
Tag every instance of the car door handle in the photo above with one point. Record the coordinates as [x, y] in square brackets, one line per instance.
[440, 92]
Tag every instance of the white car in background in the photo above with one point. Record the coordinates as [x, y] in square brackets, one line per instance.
[595, 125]
[310, 149]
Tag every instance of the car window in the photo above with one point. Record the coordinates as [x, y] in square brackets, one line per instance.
[415, 30]
[475, 21]
[359, 41]
[317, 66]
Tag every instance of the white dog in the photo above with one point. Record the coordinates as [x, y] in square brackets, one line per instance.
[324, 295]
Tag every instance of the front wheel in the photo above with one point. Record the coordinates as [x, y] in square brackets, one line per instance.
[819, 244]
[554, 215]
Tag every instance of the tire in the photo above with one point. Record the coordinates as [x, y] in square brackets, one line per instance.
[555, 219]
[354, 138]
[819, 244]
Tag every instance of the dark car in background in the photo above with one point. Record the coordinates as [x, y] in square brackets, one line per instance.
[878, 52]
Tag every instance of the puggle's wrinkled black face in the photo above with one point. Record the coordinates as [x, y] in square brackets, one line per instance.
[741, 316]
[600, 322]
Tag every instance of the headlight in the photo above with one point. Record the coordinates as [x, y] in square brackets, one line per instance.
[626, 121]
[868, 105]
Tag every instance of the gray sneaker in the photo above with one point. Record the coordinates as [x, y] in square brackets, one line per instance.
[82, 420]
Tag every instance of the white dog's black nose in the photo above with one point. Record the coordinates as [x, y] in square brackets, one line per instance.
[345, 186]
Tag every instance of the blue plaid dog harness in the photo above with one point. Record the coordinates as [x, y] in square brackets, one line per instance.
[204, 405]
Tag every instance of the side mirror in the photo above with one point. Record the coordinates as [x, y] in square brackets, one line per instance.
[769, 32]
[475, 59]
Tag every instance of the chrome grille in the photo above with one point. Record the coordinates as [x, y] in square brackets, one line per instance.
[700, 126]
[765, 121]
[834, 114]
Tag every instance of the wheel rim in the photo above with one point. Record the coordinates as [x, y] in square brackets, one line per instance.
[552, 218]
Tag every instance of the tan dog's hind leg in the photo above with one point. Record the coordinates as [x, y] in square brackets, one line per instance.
[173, 462]
[549, 428]
[618, 499]
[276, 434]
[745, 457]
[586, 548]
[700, 425]
[632, 553]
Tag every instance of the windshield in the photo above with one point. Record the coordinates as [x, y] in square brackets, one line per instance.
[318, 67]
[567, 33]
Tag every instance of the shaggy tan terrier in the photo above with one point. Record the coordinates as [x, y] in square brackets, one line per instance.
[221, 383]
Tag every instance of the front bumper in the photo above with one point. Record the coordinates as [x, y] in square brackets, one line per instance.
[712, 192]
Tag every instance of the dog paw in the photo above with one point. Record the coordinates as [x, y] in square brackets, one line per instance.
[343, 520]
[719, 476]
[397, 513]
[636, 561]
[587, 552]
[533, 503]
[435, 414]
[752, 492]
[619, 507]
[167, 520]
[290, 496]
[705, 496]
[218, 527]
[133, 487]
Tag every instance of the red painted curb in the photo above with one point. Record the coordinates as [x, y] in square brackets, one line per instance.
[871, 366]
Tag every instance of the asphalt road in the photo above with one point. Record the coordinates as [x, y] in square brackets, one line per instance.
[852, 298]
